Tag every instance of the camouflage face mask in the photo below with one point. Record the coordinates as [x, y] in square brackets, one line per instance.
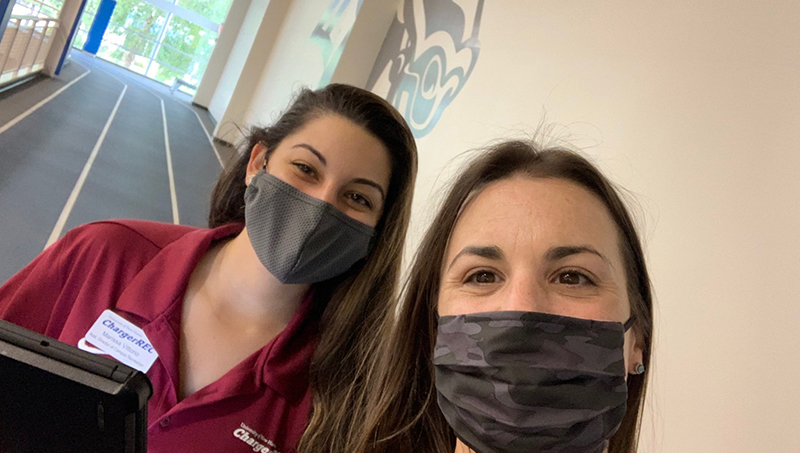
[515, 381]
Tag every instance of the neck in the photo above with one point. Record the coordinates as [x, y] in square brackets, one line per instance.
[461, 448]
[239, 285]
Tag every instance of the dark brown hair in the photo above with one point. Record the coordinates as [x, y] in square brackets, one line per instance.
[358, 305]
[411, 344]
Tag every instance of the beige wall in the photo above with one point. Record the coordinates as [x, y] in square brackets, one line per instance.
[296, 61]
[235, 63]
[365, 41]
[280, 58]
[695, 108]
[270, 24]
[224, 49]
[69, 11]
[293, 63]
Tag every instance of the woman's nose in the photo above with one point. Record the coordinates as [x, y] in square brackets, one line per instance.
[525, 294]
[327, 193]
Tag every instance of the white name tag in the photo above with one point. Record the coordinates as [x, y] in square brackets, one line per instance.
[120, 339]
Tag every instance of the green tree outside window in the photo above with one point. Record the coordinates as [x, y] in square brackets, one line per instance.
[215, 10]
[137, 25]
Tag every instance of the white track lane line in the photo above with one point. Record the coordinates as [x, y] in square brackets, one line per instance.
[172, 191]
[44, 101]
[173, 195]
[131, 78]
[208, 136]
[62, 219]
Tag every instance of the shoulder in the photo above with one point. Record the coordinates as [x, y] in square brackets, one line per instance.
[121, 236]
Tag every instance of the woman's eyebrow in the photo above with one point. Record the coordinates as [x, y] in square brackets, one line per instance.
[491, 252]
[371, 183]
[557, 253]
[314, 151]
[324, 162]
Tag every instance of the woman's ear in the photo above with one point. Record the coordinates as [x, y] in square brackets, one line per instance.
[634, 351]
[258, 156]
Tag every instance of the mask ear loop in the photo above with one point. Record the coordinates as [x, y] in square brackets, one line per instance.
[629, 323]
[265, 155]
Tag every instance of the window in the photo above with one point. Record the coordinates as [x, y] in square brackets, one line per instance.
[164, 44]
[214, 10]
[132, 34]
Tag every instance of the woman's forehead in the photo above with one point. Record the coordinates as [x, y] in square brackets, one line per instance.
[343, 145]
[535, 212]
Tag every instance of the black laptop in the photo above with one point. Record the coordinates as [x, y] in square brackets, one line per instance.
[56, 398]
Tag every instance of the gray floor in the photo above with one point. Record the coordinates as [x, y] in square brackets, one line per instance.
[42, 156]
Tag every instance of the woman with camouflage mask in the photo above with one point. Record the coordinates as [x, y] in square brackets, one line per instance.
[531, 312]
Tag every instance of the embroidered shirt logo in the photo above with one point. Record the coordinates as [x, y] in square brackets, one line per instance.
[255, 440]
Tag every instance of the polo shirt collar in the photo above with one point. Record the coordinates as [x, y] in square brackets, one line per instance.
[163, 280]
[283, 364]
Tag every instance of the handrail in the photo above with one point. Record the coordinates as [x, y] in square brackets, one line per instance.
[27, 47]
[36, 18]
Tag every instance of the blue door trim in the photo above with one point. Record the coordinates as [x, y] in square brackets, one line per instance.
[101, 19]
[6, 6]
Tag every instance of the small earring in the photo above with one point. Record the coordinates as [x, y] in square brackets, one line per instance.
[639, 369]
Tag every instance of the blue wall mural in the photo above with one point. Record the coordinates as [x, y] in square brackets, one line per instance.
[331, 34]
[429, 53]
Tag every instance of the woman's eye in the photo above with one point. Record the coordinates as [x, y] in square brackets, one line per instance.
[573, 278]
[359, 199]
[483, 278]
[305, 169]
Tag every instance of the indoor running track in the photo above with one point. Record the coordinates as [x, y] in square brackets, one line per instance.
[109, 145]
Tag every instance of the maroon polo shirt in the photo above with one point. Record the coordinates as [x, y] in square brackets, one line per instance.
[140, 271]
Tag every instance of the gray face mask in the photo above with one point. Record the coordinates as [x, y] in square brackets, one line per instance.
[516, 381]
[298, 238]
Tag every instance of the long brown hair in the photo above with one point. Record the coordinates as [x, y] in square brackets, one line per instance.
[408, 373]
[359, 304]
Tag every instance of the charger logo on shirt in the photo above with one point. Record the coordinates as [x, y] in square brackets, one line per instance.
[249, 436]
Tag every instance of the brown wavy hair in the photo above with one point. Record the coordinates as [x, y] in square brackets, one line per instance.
[358, 306]
[408, 373]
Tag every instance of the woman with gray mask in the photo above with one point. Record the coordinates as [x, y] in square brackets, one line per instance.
[260, 332]
[531, 312]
